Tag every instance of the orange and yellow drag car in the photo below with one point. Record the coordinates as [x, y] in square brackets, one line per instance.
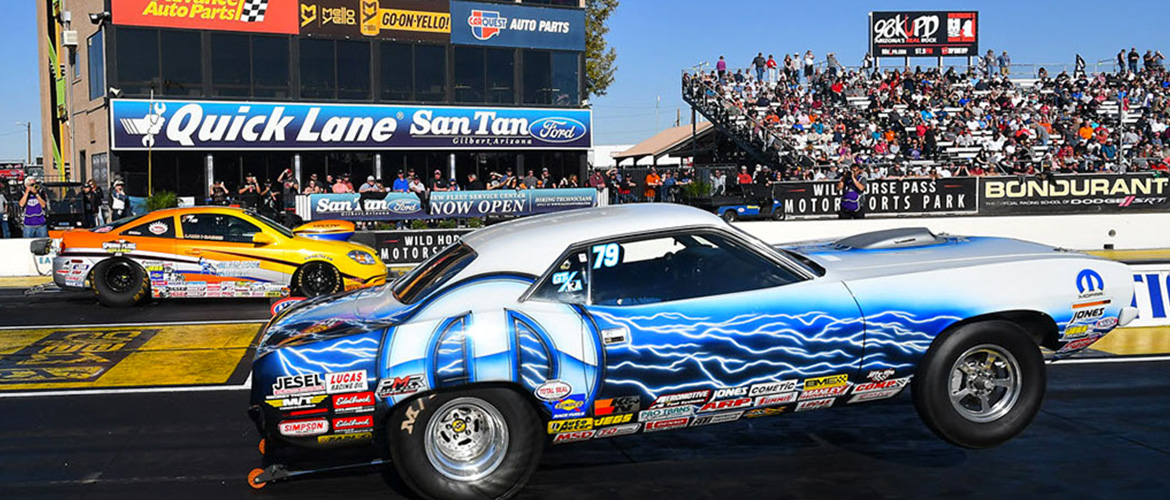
[208, 252]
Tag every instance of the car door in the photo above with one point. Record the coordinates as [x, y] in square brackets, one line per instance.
[222, 260]
[701, 325]
[152, 244]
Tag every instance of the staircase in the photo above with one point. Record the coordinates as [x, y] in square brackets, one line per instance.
[745, 131]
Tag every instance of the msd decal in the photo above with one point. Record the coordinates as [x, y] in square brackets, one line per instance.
[486, 23]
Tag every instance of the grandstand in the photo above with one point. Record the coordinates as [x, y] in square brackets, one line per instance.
[930, 122]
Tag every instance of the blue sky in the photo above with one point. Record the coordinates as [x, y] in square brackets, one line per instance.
[655, 39]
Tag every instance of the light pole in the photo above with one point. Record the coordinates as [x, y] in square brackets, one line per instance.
[28, 136]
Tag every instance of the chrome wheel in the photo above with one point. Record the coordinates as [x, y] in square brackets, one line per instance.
[467, 439]
[985, 383]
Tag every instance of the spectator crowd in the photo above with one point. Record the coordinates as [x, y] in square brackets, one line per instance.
[812, 117]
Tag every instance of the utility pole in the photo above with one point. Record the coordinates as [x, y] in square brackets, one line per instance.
[28, 140]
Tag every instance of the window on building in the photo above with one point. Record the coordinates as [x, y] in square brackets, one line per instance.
[566, 78]
[537, 77]
[397, 69]
[74, 67]
[430, 72]
[469, 74]
[270, 68]
[95, 56]
[353, 70]
[501, 78]
[182, 71]
[231, 65]
[137, 60]
[567, 3]
[318, 69]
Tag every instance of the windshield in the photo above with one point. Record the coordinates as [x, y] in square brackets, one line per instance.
[117, 224]
[276, 226]
[433, 274]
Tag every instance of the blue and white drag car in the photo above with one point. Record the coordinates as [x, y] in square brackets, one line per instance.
[619, 320]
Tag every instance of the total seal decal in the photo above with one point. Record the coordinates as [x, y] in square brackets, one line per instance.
[207, 125]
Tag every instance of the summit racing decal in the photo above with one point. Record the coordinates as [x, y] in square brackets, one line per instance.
[201, 125]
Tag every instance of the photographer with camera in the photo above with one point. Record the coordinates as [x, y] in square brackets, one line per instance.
[34, 205]
[119, 201]
[250, 193]
[851, 185]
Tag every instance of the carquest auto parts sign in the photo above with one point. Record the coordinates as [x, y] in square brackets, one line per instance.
[204, 125]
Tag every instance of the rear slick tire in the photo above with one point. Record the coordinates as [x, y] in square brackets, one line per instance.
[476, 444]
[120, 282]
[981, 384]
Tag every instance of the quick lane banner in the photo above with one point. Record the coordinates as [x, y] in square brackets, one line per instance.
[509, 25]
[205, 125]
[258, 16]
[409, 247]
[420, 20]
[1073, 194]
[885, 197]
[923, 34]
[450, 204]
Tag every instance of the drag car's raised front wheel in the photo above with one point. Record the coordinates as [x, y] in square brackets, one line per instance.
[120, 282]
[981, 384]
[317, 278]
[482, 443]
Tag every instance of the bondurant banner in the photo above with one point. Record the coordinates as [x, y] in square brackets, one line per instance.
[1073, 194]
[883, 197]
[504, 25]
[203, 125]
[449, 204]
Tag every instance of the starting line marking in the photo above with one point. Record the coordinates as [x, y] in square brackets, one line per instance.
[145, 358]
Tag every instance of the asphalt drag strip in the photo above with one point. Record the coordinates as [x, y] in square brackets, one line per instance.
[105, 357]
[1102, 433]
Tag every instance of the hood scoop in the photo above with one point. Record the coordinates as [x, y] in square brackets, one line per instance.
[909, 237]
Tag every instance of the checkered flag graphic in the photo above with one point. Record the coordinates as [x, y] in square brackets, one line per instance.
[253, 11]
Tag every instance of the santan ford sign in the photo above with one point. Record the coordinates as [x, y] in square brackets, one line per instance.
[195, 125]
